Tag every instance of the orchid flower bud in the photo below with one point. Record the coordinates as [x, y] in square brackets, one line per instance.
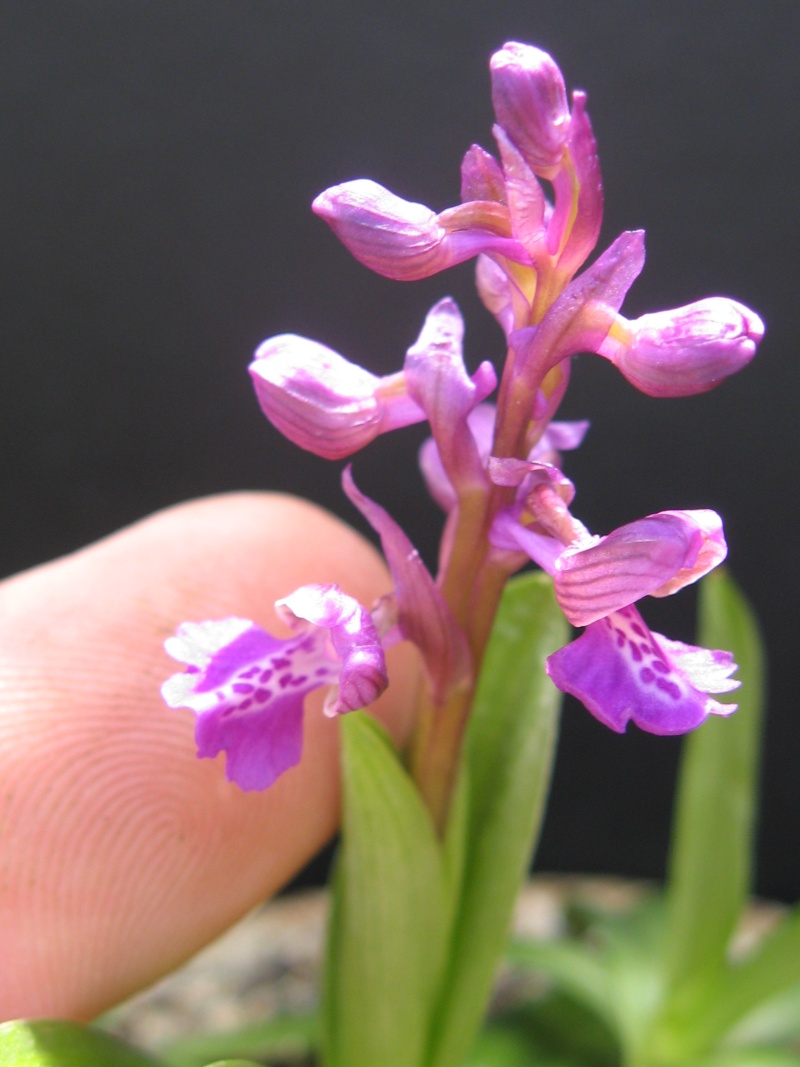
[686, 351]
[530, 102]
[323, 402]
[406, 241]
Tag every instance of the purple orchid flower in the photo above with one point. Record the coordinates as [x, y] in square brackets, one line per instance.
[618, 668]
[247, 687]
[324, 403]
[333, 408]
[407, 241]
[686, 351]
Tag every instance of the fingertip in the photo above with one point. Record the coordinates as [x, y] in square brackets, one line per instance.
[125, 852]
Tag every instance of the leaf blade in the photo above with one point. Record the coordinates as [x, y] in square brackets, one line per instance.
[389, 919]
[510, 747]
[711, 859]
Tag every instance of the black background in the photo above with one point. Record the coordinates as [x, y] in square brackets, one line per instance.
[158, 162]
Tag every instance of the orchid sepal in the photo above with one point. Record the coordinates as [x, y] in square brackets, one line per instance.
[422, 614]
[654, 556]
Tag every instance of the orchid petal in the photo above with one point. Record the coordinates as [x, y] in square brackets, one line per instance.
[481, 176]
[622, 672]
[530, 102]
[324, 403]
[498, 292]
[578, 216]
[686, 351]
[656, 555]
[362, 676]
[508, 534]
[422, 612]
[525, 197]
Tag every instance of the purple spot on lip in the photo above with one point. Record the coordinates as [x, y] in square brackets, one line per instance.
[621, 639]
[262, 696]
[638, 630]
[660, 666]
[670, 688]
[265, 675]
[242, 687]
[300, 679]
[245, 704]
[280, 663]
[637, 656]
[249, 672]
[647, 675]
[284, 680]
[306, 645]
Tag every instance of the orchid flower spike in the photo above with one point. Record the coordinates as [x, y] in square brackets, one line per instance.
[247, 687]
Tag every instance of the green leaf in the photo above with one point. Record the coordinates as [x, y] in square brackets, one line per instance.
[771, 969]
[58, 1043]
[233, 1063]
[389, 924]
[570, 966]
[613, 970]
[712, 847]
[285, 1036]
[756, 1057]
[774, 1021]
[554, 1031]
[509, 754]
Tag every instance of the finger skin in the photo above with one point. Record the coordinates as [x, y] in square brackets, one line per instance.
[121, 853]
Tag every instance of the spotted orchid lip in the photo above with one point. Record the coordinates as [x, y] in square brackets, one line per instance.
[247, 687]
[623, 672]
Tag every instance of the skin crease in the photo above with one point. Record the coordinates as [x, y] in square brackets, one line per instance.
[121, 853]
